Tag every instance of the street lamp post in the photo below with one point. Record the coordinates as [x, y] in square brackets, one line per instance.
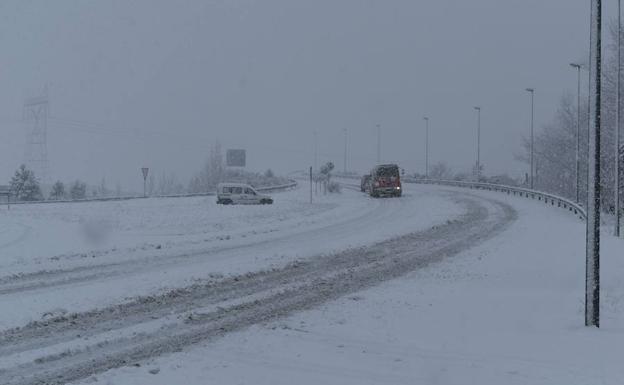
[592, 269]
[578, 128]
[617, 124]
[345, 150]
[378, 144]
[532, 91]
[315, 151]
[426, 147]
[478, 109]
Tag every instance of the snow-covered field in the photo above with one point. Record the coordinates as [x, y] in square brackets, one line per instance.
[317, 293]
[509, 311]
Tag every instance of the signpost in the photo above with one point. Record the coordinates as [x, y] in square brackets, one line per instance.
[144, 170]
[235, 158]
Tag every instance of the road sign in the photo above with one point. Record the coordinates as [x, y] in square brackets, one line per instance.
[144, 170]
[235, 158]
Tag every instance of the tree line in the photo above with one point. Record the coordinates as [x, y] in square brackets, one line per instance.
[25, 186]
[555, 145]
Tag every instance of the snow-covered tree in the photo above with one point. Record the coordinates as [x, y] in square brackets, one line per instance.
[168, 184]
[25, 186]
[58, 191]
[102, 190]
[211, 174]
[78, 190]
[440, 170]
[555, 143]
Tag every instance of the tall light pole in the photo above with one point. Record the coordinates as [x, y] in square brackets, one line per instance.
[345, 150]
[478, 109]
[617, 124]
[315, 150]
[532, 91]
[426, 147]
[592, 261]
[578, 128]
[378, 144]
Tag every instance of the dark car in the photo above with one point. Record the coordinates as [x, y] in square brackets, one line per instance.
[385, 181]
[365, 183]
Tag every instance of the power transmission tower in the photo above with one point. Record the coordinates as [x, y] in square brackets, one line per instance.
[35, 116]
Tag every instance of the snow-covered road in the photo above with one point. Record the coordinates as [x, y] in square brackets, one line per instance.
[157, 244]
[506, 311]
[155, 287]
[90, 340]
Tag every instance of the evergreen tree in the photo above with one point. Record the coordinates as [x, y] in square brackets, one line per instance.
[78, 190]
[24, 185]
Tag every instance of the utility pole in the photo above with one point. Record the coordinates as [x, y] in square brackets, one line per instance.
[532, 91]
[578, 129]
[617, 123]
[478, 143]
[345, 151]
[315, 151]
[426, 147]
[378, 144]
[592, 272]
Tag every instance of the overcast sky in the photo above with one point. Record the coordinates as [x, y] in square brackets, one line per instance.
[156, 83]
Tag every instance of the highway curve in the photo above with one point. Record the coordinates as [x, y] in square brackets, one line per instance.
[74, 346]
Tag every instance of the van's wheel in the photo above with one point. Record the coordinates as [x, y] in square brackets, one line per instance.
[226, 201]
[266, 201]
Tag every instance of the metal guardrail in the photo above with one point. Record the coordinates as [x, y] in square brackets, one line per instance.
[286, 186]
[547, 198]
[289, 185]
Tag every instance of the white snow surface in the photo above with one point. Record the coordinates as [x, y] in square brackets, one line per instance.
[509, 311]
[199, 237]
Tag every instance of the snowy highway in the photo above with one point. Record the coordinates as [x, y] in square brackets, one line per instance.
[121, 304]
[223, 241]
[75, 316]
[282, 192]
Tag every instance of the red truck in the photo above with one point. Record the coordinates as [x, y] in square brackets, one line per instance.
[385, 181]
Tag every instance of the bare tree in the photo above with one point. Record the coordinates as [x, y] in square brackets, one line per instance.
[440, 170]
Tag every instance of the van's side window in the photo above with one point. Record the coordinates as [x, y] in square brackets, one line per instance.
[237, 190]
[249, 191]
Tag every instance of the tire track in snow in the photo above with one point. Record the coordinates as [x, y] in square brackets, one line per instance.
[296, 287]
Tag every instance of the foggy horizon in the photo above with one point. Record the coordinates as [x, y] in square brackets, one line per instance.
[155, 84]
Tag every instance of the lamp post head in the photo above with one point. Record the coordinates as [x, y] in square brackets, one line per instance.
[531, 90]
[478, 108]
[574, 65]
[425, 118]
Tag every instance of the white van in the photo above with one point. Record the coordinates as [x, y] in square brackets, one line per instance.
[240, 193]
